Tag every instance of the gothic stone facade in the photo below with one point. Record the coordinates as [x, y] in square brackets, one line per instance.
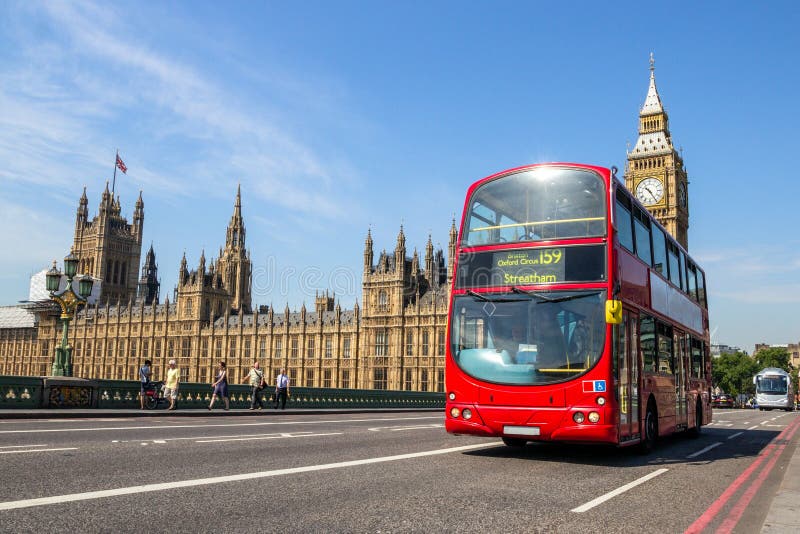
[395, 342]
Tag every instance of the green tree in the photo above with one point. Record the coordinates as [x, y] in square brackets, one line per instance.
[774, 357]
[733, 373]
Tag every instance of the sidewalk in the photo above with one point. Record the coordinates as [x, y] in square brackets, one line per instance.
[784, 512]
[100, 413]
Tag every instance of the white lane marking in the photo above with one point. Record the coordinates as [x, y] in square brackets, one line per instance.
[735, 435]
[272, 436]
[56, 499]
[167, 427]
[41, 450]
[611, 494]
[775, 426]
[400, 428]
[753, 427]
[20, 446]
[701, 451]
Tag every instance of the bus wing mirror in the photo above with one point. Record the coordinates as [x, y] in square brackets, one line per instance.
[614, 312]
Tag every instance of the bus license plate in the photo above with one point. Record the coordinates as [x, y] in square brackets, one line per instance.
[521, 430]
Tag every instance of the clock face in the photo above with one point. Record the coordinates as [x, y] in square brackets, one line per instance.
[682, 200]
[650, 191]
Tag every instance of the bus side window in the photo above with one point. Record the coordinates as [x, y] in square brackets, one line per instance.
[701, 288]
[647, 342]
[697, 359]
[674, 269]
[641, 229]
[666, 351]
[691, 272]
[682, 259]
[659, 250]
[624, 223]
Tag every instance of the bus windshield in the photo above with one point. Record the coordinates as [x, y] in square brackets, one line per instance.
[537, 204]
[528, 338]
[772, 385]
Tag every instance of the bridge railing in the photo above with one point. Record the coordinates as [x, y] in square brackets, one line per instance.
[55, 392]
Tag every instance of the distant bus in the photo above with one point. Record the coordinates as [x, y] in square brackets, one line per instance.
[574, 316]
[774, 389]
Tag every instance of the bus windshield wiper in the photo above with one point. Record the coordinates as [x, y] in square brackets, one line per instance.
[551, 299]
[486, 298]
[477, 295]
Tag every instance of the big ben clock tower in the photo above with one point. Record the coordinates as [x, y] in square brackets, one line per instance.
[654, 170]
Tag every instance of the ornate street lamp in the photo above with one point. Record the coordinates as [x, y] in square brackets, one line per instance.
[69, 302]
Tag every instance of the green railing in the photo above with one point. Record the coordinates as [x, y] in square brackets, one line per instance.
[27, 392]
[20, 392]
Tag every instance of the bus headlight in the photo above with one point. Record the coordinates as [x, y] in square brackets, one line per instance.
[455, 412]
[578, 417]
[601, 401]
[467, 413]
[594, 417]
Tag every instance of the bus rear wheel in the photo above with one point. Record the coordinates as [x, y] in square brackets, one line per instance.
[514, 442]
[650, 430]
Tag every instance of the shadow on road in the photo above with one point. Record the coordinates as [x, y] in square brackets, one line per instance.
[674, 449]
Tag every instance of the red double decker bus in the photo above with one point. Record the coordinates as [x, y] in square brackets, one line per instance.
[574, 316]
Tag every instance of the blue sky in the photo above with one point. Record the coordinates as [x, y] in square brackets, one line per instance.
[338, 115]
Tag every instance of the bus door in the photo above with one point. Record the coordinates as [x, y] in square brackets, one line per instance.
[681, 368]
[627, 375]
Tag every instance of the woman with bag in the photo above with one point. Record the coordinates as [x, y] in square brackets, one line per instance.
[257, 384]
[220, 386]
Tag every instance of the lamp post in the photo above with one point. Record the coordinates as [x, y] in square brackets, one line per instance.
[69, 302]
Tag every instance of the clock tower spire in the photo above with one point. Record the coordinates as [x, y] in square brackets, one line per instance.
[654, 171]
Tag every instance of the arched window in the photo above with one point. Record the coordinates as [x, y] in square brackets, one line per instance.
[383, 299]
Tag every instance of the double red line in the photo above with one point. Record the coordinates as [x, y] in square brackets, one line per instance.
[770, 454]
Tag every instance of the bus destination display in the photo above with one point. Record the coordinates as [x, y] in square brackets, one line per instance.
[532, 266]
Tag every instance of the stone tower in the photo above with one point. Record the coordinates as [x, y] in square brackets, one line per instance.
[149, 284]
[108, 248]
[234, 262]
[654, 171]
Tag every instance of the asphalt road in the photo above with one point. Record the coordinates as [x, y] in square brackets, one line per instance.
[372, 473]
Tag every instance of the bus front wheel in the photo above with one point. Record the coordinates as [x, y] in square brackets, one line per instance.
[650, 430]
[514, 442]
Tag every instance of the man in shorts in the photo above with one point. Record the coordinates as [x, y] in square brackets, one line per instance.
[171, 384]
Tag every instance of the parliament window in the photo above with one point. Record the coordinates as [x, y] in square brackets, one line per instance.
[410, 344]
[381, 343]
[345, 379]
[346, 347]
[310, 346]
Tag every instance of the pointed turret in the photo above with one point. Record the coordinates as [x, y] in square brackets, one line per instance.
[368, 252]
[429, 258]
[184, 270]
[149, 285]
[652, 102]
[138, 217]
[451, 251]
[234, 266]
[201, 268]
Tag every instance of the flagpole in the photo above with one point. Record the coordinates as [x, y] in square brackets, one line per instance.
[114, 182]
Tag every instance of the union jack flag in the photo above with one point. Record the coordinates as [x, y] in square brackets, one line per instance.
[121, 165]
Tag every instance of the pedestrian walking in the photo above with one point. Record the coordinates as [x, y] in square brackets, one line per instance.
[220, 386]
[144, 379]
[257, 384]
[171, 385]
[281, 390]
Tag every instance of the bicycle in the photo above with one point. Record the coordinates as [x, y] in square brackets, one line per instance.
[153, 395]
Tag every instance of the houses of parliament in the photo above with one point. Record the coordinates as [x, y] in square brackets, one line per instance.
[394, 340]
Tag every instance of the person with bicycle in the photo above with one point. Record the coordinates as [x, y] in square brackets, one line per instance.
[144, 379]
[171, 384]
